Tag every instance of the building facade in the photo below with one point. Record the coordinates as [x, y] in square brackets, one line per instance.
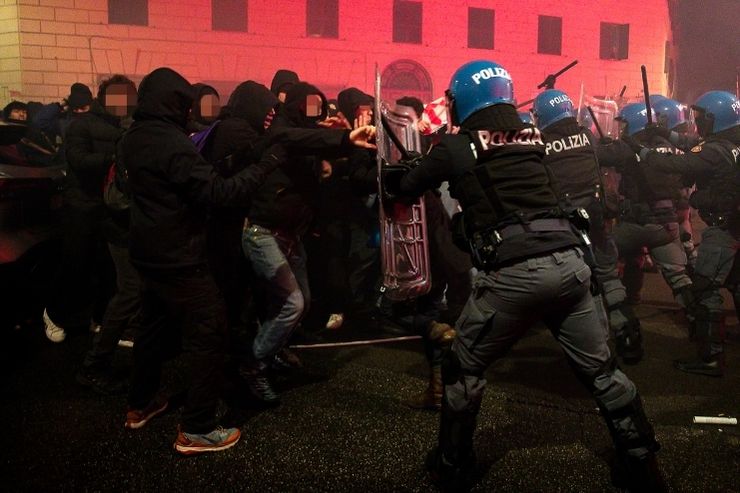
[46, 45]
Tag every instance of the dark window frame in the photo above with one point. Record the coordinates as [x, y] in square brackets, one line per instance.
[407, 33]
[226, 15]
[128, 12]
[318, 23]
[614, 41]
[550, 35]
[481, 28]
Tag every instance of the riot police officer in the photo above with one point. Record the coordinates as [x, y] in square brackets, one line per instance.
[531, 268]
[713, 166]
[648, 218]
[570, 159]
[671, 120]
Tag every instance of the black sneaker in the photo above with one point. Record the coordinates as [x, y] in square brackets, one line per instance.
[259, 386]
[101, 382]
[712, 368]
[448, 477]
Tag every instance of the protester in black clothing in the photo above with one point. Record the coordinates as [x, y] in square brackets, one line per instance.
[206, 107]
[172, 186]
[85, 275]
[282, 81]
[118, 94]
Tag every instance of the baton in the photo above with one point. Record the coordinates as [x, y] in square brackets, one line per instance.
[596, 122]
[647, 95]
[621, 93]
[525, 103]
[557, 74]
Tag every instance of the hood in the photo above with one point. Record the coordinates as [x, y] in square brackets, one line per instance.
[293, 111]
[200, 91]
[165, 95]
[251, 101]
[282, 78]
[350, 99]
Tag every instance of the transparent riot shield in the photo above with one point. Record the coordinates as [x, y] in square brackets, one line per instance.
[605, 109]
[403, 231]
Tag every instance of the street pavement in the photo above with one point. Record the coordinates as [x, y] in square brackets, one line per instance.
[342, 426]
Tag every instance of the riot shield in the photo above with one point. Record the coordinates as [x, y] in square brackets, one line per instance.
[605, 110]
[403, 232]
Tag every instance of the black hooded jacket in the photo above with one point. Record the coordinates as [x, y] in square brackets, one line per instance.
[281, 79]
[288, 198]
[171, 184]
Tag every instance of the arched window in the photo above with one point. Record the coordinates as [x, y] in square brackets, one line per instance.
[406, 78]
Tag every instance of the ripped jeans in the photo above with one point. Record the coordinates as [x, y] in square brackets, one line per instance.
[279, 265]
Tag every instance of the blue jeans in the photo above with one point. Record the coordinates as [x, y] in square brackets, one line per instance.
[279, 264]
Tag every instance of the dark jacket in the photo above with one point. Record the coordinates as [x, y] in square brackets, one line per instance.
[171, 184]
[90, 148]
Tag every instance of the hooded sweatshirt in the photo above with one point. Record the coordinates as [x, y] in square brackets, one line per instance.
[287, 200]
[170, 182]
[281, 79]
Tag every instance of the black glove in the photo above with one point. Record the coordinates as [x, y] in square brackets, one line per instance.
[633, 143]
[655, 130]
[392, 176]
[412, 160]
[605, 141]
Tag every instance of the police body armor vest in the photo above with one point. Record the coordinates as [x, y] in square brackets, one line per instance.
[571, 161]
[719, 193]
[652, 193]
[507, 185]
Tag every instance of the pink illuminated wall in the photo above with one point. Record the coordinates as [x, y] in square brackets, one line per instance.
[65, 41]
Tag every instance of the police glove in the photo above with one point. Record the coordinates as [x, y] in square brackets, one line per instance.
[391, 178]
[632, 143]
[654, 130]
[412, 160]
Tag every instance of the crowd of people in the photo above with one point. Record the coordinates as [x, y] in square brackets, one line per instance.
[187, 223]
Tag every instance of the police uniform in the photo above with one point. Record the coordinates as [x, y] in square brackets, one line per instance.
[713, 165]
[531, 268]
[571, 160]
[648, 220]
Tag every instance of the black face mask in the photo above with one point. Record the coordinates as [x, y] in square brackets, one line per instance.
[704, 123]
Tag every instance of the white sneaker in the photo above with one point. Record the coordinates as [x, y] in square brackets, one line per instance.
[53, 332]
[335, 321]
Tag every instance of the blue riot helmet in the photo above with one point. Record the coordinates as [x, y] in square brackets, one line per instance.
[633, 118]
[552, 106]
[478, 85]
[526, 117]
[668, 113]
[716, 111]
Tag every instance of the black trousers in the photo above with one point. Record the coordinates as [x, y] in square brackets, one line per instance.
[181, 305]
[123, 311]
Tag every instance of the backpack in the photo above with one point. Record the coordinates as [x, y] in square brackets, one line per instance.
[115, 189]
[200, 139]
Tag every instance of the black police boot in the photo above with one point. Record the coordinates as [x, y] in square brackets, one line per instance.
[710, 360]
[452, 462]
[629, 343]
[636, 468]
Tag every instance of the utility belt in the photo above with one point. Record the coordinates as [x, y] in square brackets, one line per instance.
[484, 244]
[659, 212]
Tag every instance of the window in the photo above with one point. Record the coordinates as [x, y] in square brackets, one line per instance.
[322, 18]
[133, 12]
[480, 28]
[550, 35]
[406, 22]
[229, 15]
[615, 40]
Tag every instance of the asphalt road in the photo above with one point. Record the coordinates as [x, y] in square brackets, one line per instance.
[342, 426]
